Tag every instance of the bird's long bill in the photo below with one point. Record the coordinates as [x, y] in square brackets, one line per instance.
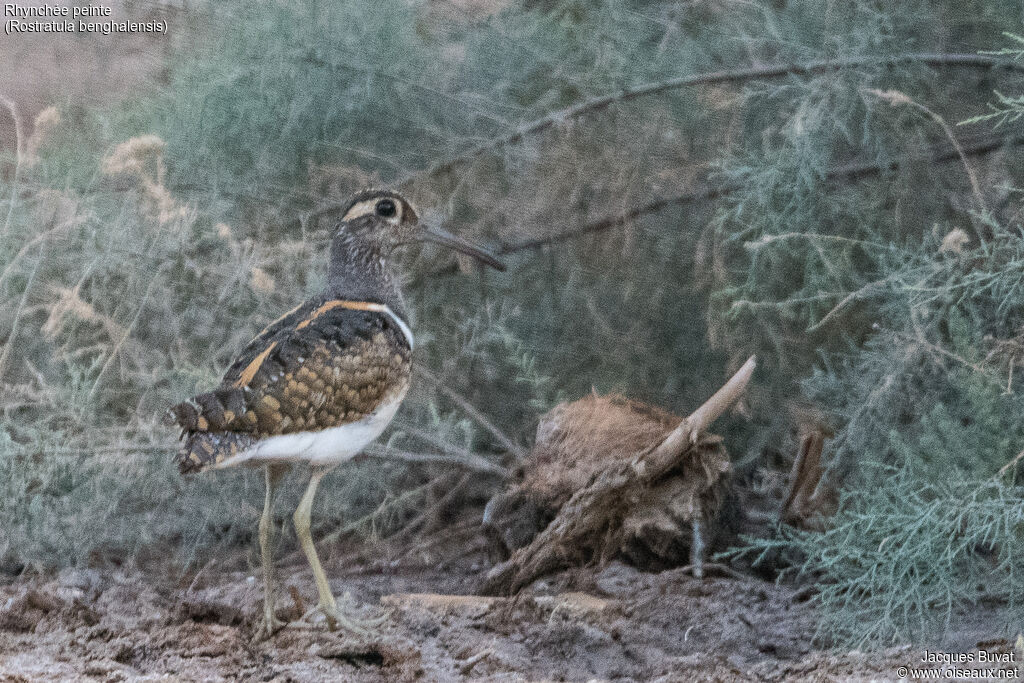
[433, 233]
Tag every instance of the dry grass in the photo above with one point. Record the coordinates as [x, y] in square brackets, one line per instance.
[579, 439]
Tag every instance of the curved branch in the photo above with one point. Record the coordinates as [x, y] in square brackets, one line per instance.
[849, 172]
[712, 409]
[713, 78]
[973, 61]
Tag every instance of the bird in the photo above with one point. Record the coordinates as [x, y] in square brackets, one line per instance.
[321, 382]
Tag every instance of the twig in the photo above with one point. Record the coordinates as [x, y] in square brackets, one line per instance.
[765, 240]
[195, 579]
[370, 565]
[809, 501]
[434, 440]
[106, 450]
[1006, 468]
[896, 98]
[971, 174]
[420, 523]
[467, 665]
[472, 462]
[451, 484]
[713, 408]
[422, 490]
[518, 451]
[17, 317]
[124, 337]
[861, 293]
[9, 267]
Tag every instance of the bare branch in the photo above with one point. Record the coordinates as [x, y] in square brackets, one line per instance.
[896, 98]
[690, 429]
[703, 417]
[849, 172]
[471, 462]
[713, 78]
[518, 451]
[19, 152]
[868, 290]
[809, 501]
[1006, 468]
[597, 104]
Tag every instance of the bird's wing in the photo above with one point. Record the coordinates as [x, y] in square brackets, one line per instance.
[325, 363]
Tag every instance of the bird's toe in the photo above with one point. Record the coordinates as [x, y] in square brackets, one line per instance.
[344, 617]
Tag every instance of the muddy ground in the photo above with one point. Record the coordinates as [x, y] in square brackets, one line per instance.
[610, 623]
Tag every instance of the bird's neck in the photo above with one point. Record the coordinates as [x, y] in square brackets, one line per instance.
[359, 272]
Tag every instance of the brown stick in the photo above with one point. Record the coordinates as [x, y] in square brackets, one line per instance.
[809, 502]
[689, 430]
[703, 417]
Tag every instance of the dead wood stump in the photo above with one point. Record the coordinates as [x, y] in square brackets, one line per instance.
[611, 476]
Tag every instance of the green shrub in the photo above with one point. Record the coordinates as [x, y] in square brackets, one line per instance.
[902, 560]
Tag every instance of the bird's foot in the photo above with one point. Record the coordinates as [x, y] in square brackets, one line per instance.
[342, 617]
[268, 628]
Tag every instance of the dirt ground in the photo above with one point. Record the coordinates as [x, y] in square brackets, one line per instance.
[611, 623]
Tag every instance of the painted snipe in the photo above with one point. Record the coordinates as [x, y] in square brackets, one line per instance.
[321, 382]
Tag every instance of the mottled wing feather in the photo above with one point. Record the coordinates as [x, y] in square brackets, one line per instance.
[323, 364]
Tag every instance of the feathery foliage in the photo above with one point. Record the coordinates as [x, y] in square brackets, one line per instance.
[901, 561]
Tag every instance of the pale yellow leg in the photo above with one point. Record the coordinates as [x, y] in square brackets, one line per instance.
[328, 606]
[271, 624]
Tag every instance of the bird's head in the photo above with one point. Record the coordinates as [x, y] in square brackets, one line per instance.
[384, 220]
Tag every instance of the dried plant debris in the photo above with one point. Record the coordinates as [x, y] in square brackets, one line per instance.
[578, 440]
[612, 477]
[811, 499]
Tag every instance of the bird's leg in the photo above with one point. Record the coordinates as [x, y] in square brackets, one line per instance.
[335, 617]
[271, 624]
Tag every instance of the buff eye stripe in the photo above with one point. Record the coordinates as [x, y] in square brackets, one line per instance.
[368, 207]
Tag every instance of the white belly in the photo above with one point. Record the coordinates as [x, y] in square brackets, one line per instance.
[325, 447]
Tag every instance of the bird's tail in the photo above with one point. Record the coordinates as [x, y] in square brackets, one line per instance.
[221, 410]
[215, 426]
[203, 450]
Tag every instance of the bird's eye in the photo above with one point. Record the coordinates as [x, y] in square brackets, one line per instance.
[386, 208]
